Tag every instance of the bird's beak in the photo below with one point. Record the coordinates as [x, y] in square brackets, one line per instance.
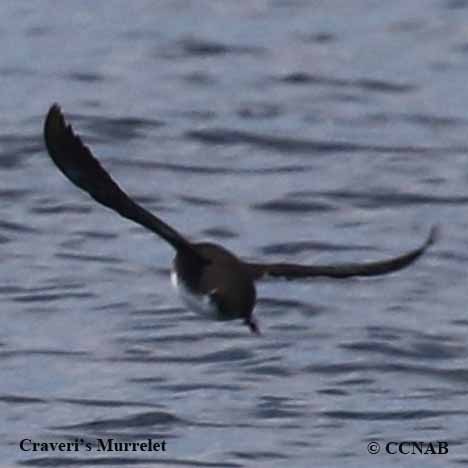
[253, 326]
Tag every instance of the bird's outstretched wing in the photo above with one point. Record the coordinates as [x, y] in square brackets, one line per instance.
[343, 270]
[79, 165]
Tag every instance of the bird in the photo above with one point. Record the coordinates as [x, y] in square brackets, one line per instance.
[211, 279]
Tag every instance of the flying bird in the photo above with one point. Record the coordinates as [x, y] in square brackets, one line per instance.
[210, 279]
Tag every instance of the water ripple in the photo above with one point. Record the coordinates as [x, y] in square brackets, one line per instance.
[293, 206]
[85, 77]
[37, 298]
[89, 258]
[455, 374]
[434, 350]
[226, 355]
[104, 403]
[380, 199]
[17, 227]
[113, 128]
[196, 47]
[365, 84]
[149, 419]
[121, 461]
[390, 415]
[20, 400]
[289, 145]
[178, 168]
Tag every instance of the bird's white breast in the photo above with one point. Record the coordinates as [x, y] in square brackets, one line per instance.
[199, 303]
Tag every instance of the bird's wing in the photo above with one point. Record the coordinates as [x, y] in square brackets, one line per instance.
[79, 165]
[343, 270]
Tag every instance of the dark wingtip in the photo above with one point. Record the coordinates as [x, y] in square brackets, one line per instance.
[54, 107]
[434, 235]
[54, 111]
[54, 122]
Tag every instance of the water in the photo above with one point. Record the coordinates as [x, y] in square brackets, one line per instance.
[304, 131]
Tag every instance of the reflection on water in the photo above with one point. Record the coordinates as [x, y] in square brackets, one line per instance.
[303, 131]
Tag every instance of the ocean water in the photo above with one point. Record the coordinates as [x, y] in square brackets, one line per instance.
[310, 132]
